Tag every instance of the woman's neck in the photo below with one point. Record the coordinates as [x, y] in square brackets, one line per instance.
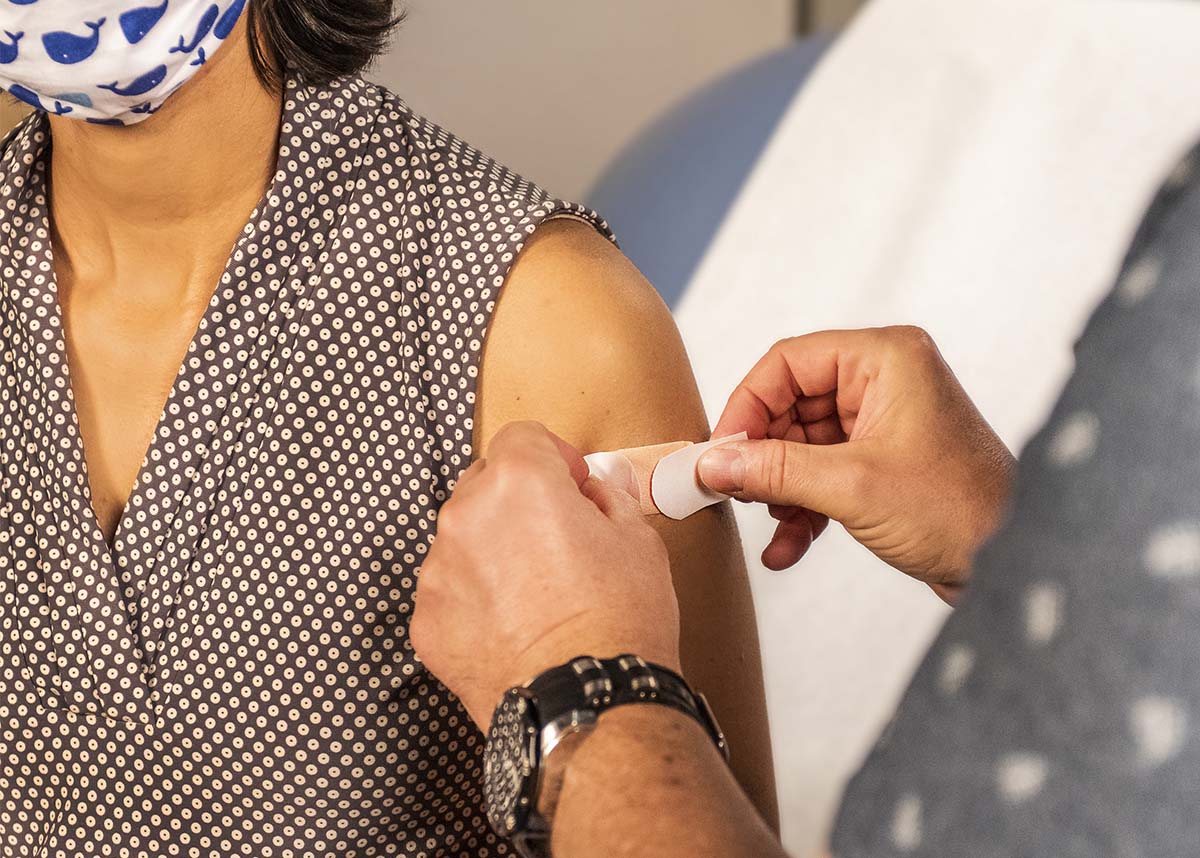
[169, 193]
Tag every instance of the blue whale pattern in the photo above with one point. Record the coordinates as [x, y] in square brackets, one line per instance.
[8, 52]
[139, 86]
[229, 19]
[32, 98]
[26, 95]
[136, 23]
[202, 29]
[80, 98]
[67, 48]
[125, 75]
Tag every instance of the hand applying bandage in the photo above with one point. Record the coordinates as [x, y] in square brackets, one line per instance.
[535, 563]
[662, 478]
[872, 429]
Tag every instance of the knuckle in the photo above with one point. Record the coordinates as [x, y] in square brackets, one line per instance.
[776, 468]
[472, 470]
[510, 478]
[531, 426]
[859, 476]
[782, 346]
[449, 519]
[535, 482]
[517, 431]
[916, 339]
[428, 581]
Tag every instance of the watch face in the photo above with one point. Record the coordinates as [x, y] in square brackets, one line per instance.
[509, 763]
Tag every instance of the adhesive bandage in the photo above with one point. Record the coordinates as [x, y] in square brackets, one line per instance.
[664, 476]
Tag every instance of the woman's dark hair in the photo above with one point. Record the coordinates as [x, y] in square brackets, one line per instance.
[317, 40]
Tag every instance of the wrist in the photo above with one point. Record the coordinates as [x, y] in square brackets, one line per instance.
[567, 642]
[630, 732]
[640, 757]
[539, 729]
[633, 727]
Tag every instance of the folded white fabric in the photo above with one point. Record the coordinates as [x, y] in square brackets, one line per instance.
[977, 167]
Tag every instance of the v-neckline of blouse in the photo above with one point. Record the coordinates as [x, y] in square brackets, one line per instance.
[111, 551]
[112, 555]
[120, 613]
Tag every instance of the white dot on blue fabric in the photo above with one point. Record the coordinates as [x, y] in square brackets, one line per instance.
[1020, 776]
[908, 823]
[957, 664]
[1043, 612]
[1159, 725]
[1172, 551]
[1075, 441]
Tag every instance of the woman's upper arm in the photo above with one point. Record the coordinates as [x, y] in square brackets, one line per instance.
[581, 343]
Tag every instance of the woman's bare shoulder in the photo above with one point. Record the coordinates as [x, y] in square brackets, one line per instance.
[582, 342]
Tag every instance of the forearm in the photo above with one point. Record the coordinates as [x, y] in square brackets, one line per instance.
[649, 781]
[719, 643]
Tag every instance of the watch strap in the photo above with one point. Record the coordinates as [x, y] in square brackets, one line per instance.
[596, 685]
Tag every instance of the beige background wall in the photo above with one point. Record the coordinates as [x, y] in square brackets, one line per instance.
[832, 14]
[554, 89]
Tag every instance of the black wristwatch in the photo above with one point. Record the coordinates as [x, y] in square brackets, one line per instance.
[556, 711]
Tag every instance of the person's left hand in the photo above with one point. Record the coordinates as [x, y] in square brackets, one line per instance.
[535, 563]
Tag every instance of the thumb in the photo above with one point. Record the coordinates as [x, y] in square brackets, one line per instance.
[823, 478]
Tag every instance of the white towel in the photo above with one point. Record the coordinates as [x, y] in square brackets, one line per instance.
[977, 167]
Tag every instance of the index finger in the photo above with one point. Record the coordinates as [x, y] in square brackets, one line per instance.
[792, 374]
[537, 444]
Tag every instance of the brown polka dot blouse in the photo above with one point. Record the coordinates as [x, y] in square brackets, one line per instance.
[233, 677]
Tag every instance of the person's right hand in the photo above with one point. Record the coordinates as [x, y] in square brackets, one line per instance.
[871, 429]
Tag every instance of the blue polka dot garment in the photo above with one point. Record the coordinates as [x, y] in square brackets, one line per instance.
[1058, 714]
[233, 677]
[112, 62]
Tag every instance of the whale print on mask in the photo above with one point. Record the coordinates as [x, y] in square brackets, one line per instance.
[229, 19]
[26, 95]
[67, 48]
[32, 98]
[141, 85]
[81, 99]
[202, 30]
[136, 23]
[9, 52]
[110, 59]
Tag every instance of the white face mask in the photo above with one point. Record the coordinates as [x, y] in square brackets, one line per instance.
[112, 62]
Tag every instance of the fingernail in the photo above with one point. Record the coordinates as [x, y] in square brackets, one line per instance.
[723, 470]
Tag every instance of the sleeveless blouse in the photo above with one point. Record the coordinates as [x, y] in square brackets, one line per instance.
[233, 676]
